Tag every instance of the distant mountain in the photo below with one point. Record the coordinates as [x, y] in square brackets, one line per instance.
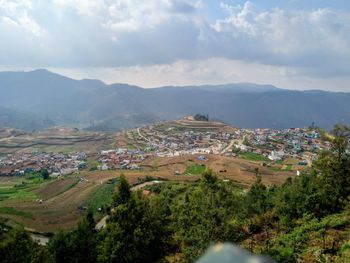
[22, 120]
[94, 105]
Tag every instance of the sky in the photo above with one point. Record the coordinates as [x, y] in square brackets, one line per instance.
[294, 44]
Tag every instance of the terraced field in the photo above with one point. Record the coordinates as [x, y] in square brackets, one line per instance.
[192, 125]
[55, 139]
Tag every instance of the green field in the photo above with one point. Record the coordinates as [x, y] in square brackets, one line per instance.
[22, 189]
[280, 168]
[252, 156]
[12, 211]
[288, 168]
[195, 169]
[101, 197]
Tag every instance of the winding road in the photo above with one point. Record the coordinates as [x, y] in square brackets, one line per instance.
[44, 240]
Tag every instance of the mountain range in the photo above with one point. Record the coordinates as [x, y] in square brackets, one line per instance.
[38, 99]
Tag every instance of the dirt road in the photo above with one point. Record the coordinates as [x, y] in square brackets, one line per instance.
[102, 223]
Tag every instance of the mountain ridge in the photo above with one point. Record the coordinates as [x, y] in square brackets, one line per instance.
[94, 105]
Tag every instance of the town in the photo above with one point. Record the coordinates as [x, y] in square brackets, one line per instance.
[56, 164]
[177, 138]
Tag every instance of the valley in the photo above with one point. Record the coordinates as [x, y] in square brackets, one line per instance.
[84, 167]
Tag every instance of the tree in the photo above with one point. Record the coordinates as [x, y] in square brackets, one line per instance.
[205, 216]
[334, 167]
[256, 198]
[200, 117]
[137, 232]
[123, 193]
[16, 246]
[78, 245]
[209, 179]
[44, 174]
[340, 141]
[60, 246]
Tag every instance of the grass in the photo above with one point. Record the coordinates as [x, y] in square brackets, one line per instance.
[252, 156]
[12, 211]
[275, 168]
[101, 196]
[131, 146]
[20, 192]
[288, 168]
[195, 169]
[23, 190]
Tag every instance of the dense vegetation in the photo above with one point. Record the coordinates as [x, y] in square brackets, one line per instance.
[201, 117]
[307, 219]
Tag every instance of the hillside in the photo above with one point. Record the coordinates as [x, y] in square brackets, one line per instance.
[93, 105]
[22, 120]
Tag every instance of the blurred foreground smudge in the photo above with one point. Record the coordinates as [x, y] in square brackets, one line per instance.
[229, 253]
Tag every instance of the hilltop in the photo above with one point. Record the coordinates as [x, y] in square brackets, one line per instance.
[190, 124]
[37, 99]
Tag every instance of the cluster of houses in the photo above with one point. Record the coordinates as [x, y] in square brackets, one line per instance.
[170, 143]
[276, 145]
[298, 143]
[55, 163]
[121, 158]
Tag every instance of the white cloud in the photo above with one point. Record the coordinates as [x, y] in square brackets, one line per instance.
[9, 22]
[208, 71]
[166, 35]
[133, 15]
[16, 13]
[83, 7]
[282, 36]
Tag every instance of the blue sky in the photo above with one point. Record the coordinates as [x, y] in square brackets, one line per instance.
[295, 44]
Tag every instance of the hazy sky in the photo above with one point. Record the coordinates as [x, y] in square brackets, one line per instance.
[298, 44]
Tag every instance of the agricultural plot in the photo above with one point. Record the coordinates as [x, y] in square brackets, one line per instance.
[60, 203]
[101, 197]
[252, 156]
[21, 189]
[195, 169]
[63, 140]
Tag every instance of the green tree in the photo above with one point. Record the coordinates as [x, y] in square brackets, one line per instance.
[123, 192]
[137, 232]
[78, 245]
[256, 198]
[334, 167]
[60, 246]
[44, 174]
[16, 246]
[206, 216]
[340, 141]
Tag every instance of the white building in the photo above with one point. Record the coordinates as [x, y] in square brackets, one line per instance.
[276, 155]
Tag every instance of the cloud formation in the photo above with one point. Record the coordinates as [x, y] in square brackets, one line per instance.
[297, 38]
[312, 42]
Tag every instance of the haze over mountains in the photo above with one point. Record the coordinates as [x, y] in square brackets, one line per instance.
[39, 99]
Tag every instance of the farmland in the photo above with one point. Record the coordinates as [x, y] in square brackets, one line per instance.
[195, 169]
[57, 139]
[161, 152]
[252, 156]
[45, 206]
